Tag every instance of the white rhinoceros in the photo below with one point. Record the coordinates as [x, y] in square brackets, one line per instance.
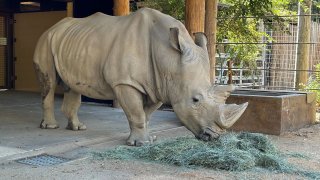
[143, 60]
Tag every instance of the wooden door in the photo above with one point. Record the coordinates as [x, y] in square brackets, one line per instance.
[28, 27]
[6, 69]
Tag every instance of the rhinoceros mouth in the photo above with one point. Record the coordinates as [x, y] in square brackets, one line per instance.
[229, 114]
[208, 134]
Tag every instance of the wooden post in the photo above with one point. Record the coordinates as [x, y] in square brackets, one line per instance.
[211, 14]
[121, 7]
[303, 49]
[69, 9]
[194, 16]
[229, 71]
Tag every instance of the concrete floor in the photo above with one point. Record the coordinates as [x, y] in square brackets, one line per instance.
[20, 135]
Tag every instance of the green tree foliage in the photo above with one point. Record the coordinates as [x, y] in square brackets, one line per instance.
[314, 84]
[234, 24]
[175, 8]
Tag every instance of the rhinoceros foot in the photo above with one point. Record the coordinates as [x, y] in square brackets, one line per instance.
[48, 125]
[76, 126]
[134, 141]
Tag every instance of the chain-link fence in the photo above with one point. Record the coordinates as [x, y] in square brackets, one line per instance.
[276, 65]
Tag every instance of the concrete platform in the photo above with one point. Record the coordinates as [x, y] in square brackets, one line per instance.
[20, 135]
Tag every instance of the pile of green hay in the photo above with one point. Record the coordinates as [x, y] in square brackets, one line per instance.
[231, 152]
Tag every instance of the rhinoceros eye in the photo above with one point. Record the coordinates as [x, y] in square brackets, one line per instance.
[195, 100]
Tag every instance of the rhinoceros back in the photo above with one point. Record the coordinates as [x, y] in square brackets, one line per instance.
[94, 54]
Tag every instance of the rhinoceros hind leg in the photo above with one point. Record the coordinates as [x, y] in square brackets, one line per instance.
[49, 121]
[70, 106]
[47, 81]
[131, 101]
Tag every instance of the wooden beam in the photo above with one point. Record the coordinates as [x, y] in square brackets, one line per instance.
[211, 13]
[303, 49]
[69, 9]
[121, 7]
[194, 16]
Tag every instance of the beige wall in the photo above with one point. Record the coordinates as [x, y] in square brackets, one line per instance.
[27, 29]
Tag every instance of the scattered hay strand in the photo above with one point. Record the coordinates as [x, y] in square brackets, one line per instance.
[231, 152]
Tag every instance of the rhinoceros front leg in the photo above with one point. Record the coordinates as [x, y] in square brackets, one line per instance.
[149, 108]
[70, 106]
[131, 101]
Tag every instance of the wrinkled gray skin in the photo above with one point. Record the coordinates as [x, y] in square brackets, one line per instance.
[143, 60]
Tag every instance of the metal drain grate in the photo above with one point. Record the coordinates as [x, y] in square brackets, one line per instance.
[43, 160]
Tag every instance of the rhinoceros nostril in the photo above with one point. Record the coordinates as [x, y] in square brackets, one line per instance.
[203, 137]
[208, 134]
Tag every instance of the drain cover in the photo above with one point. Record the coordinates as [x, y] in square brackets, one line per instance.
[43, 160]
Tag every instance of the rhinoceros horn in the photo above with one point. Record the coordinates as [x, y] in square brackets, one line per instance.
[220, 93]
[229, 114]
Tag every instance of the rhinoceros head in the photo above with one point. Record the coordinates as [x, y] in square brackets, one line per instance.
[199, 104]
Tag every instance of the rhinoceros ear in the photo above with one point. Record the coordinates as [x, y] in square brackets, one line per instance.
[201, 40]
[175, 40]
